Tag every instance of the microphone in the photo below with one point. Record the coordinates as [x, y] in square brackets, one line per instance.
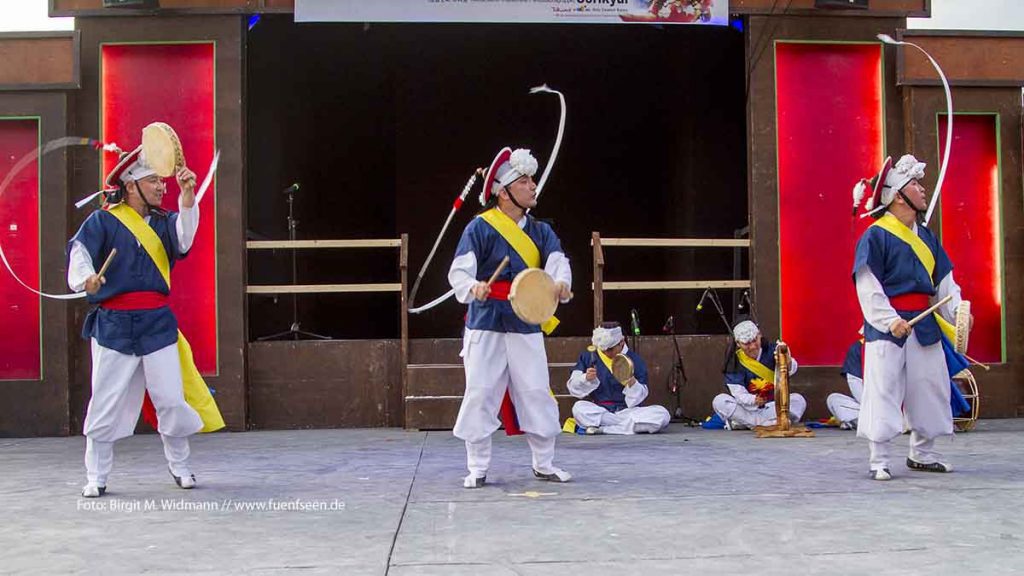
[669, 325]
[291, 189]
[700, 305]
[636, 321]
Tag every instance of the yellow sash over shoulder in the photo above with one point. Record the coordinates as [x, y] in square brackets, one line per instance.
[522, 244]
[892, 224]
[756, 367]
[197, 393]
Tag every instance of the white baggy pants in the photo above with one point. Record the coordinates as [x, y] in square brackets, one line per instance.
[494, 362]
[729, 410]
[119, 382]
[626, 421]
[914, 377]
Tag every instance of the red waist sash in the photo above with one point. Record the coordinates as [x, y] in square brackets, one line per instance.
[500, 290]
[135, 301]
[910, 302]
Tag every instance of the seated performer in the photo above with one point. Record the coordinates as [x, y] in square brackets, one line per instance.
[844, 408]
[750, 378]
[609, 406]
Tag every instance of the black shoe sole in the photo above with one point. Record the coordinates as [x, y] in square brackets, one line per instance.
[933, 467]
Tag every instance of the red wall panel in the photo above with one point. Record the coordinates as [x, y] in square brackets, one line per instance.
[172, 83]
[829, 115]
[20, 353]
[971, 225]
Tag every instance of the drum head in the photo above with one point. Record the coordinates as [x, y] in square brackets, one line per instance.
[963, 326]
[533, 296]
[622, 368]
[162, 149]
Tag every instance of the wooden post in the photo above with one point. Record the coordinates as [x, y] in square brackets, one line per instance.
[598, 278]
[403, 265]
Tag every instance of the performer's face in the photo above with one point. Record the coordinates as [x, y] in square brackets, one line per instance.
[916, 193]
[752, 348]
[152, 188]
[524, 190]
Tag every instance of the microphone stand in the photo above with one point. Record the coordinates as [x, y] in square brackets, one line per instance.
[294, 331]
[678, 379]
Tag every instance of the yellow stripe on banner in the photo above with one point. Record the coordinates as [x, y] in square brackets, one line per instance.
[197, 393]
[522, 244]
[756, 367]
[892, 224]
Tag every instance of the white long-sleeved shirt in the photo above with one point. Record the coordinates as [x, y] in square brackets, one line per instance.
[81, 266]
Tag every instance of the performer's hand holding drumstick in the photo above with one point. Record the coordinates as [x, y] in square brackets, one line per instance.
[96, 281]
[483, 289]
[901, 327]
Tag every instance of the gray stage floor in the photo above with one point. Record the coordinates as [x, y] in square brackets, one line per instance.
[391, 502]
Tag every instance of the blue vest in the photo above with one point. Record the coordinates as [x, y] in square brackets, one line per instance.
[738, 375]
[899, 270]
[136, 332]
[610, 393]
[490, 248]
[853, 365]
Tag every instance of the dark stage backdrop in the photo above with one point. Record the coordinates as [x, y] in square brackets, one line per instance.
[382, 125]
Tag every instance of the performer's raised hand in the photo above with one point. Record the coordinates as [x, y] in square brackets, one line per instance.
[591, 373]
[187, 182]
[900, 328]
[94, 283]
[630, 382]
[481, 290]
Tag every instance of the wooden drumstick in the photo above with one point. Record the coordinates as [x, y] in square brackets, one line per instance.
[929, 311]
[504, 262]
[106, 264]
[593, 355]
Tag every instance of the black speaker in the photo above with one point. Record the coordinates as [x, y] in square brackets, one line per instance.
[131, 3]
[854, 4]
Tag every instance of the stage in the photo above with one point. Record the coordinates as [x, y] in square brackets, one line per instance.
[387, 501]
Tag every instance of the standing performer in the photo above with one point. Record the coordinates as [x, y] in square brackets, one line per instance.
[750, 379]
[134, 336]
[609, 406]
[899, 269]
[500, 351]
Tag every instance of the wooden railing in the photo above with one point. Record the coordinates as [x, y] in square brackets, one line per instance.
[600, 285]
[400, 287]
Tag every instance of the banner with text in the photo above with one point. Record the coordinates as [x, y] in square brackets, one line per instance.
[714, 12]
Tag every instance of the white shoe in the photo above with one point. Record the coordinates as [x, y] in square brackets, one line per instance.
[881, 474]
[556, 475]
[91, 490]
[185, 481]
[645, 428]
[474, 481]
[593, 430]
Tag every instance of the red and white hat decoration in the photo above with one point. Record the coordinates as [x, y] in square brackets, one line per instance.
[507, 167]
[890, 180]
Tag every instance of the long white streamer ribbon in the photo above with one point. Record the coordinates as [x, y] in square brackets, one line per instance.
[543, 88]
[949, 122]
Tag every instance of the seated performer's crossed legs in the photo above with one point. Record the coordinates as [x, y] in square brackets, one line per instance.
[844, 409]
[637, 420]
[738, 416]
